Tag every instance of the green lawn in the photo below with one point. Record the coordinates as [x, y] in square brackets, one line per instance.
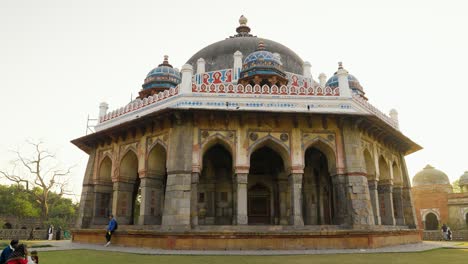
[106, 257]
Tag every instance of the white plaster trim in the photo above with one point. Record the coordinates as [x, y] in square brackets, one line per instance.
[424, 213]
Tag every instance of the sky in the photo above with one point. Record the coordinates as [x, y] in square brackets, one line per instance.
[60, 59]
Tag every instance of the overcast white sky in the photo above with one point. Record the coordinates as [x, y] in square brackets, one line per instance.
[60, 59]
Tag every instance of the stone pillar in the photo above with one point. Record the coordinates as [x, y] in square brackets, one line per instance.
[283, 197]
[103, 107]
[295, 188]
[240, 205]
[179, 173]
[152, 193]
[360, 200]
[237, 66]
[408, 209]
[307, 69]
[394, 117]
[194, 199]
[360, 207]
[122, 202]
[386, 203]
[322, 79]
[186, 82]
[374, 197]
[407, 199]
[343, 81]
[398, 205]
[339, 195]
[200, 65]
[85, 212]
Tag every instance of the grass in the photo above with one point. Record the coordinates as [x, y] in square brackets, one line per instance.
[105, 257]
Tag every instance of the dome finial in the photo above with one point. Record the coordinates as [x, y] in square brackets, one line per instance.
[261, 45]
[165, 62]
[243, 30]
[340, 65]
[243, 20]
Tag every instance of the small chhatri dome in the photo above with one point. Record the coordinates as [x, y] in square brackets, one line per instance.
[463, 181]
[430, 176]
[354, 84]
[161, 78]
[262, 67]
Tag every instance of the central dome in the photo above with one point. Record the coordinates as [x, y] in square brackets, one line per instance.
[219, 55]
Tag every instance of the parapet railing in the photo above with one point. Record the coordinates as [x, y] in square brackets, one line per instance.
[140, 103]
[265, 90]
[362, 102]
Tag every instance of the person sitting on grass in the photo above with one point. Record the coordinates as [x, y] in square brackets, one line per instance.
[8, 251]
[33, 258]
[19, 255]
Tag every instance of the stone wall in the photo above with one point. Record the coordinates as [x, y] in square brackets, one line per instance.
[22, 234]
[437, 235]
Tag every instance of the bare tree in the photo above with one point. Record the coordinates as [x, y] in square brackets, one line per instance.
[40, 173]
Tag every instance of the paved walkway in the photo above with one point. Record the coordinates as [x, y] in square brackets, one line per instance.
[427, 245]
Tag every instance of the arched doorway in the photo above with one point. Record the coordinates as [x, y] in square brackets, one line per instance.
[385, 194]
[155, 186]
[267, 188]
[7, 226]
[318, 201]
[103, 192]
[215, 199]
[130, 199]
[259, 204]
[431, 222]
[372, 183]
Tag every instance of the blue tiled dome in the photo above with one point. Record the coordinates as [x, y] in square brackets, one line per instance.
[262, 62]
[353, 82]
[163, 76]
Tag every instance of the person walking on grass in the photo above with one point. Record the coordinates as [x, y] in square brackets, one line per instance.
[19, 256]
[8, 251]
[111, 227]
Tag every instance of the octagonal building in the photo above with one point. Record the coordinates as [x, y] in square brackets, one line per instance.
[243, 149]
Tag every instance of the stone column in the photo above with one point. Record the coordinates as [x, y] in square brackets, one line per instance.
[240, 205]
[408, 209]
[360, 200]
[283, 197]
[295, 188]
[374, 197]
[179, 173]
[85, 212]
[339, 196]
[152, 193]
[398, 205]
[386, 203]
[194, 199]
[122, 202]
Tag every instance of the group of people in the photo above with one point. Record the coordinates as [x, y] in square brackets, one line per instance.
[17, 253]
[50, 233]
[446, 232]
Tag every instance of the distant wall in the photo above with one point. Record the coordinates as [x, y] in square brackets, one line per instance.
[437, 235]
[23, 234]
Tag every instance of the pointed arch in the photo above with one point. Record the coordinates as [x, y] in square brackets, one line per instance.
[275, 145]
[384, 170]
[156, 161]
[105, 170]
[128, 168]
[326, 148]
[397, 176]
[216, 139]
[370, 165]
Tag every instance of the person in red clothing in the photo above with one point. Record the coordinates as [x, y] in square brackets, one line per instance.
[19, 255]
